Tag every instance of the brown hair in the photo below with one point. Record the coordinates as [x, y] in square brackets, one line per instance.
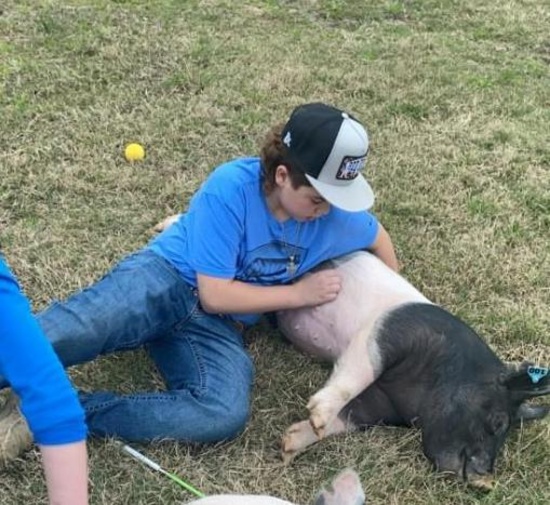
[274, 153]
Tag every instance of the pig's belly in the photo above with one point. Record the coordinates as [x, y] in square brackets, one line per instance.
[370, 289]
[319, 331]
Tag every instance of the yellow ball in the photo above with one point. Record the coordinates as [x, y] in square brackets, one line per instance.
[134, 152]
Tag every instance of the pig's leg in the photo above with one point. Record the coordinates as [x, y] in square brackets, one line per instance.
[356, 369]
[300, 436]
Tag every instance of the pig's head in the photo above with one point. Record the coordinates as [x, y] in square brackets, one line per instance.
[465, 426]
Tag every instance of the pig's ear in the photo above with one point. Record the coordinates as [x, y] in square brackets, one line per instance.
[498, 423]
[531, 412]
[527, 380]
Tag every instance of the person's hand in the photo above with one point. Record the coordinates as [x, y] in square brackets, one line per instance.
[319, 287]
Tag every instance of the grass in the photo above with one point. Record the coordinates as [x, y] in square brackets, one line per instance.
[455, 97]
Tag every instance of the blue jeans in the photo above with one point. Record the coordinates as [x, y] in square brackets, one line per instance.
[144, 301]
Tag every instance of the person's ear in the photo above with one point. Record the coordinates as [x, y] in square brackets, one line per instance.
[281, 175]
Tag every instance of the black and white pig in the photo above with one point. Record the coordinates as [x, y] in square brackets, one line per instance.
[401, 360]
[345, 489]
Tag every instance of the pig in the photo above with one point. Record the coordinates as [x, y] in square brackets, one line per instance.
[345, 489]
[400, 359]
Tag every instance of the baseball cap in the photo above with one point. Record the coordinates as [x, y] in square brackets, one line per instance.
[330, 147]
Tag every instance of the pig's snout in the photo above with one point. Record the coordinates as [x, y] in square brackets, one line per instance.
[475, 471]
[482, 482]
[478, 472]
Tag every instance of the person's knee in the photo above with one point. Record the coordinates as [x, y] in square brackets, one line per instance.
[229, 407]
[216, 413]
[225, 418]
[232, 421]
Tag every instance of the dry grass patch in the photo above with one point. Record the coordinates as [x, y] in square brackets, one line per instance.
[455, 96]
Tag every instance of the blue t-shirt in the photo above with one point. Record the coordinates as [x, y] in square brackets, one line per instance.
[229, 232]
[29, 363]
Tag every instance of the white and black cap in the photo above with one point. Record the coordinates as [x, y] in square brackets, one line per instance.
[330, 147]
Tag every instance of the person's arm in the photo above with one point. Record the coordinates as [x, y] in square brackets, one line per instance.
[48, 401]
[229, 296]
[383, 248]
[66, 470]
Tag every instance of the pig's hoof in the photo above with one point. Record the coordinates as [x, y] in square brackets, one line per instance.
[296, 439]
[323, 409]
[317, 427]
[288, 456]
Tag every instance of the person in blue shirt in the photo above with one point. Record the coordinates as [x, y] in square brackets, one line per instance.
[48, 401]
[251, 231]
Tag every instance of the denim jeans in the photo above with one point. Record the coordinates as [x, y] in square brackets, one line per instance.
[144, 301]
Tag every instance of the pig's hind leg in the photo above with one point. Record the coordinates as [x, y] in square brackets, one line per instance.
[356, 369]
[300, 436]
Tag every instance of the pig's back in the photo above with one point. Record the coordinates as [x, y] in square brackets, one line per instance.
[369, 290]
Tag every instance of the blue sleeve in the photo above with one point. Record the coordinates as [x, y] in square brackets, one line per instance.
[369, 227]
[356, 230]
[373, 226]
[29, 363]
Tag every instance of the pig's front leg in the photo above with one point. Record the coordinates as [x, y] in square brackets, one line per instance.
[300, 436]
[355, 370]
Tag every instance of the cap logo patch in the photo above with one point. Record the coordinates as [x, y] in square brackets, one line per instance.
[350, 168]
[287, 139]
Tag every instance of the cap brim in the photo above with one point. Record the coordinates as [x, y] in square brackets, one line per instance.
[353, 197]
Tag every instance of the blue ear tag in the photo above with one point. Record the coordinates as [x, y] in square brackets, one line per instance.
[536, 373]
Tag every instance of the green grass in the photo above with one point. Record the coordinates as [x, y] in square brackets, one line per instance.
[455, 96]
